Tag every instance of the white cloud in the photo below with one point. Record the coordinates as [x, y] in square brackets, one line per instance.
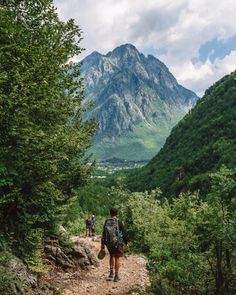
[202, 75]
[180, 26]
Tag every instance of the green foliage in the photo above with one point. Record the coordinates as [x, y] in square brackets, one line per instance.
[190, 242]
[200, 143]
[43, 137]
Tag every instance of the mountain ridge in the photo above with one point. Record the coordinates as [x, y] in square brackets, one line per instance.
[203, 141]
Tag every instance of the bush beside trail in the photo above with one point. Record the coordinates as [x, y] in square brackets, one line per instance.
[189, 241]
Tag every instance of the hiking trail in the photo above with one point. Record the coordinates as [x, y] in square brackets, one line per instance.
[133, 275]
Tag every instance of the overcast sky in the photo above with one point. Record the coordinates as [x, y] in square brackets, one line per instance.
[196, 39]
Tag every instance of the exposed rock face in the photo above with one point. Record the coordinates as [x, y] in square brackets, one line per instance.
[79, 256]
[135, 98]
[62, 265]
[85, 255]
[22, 280]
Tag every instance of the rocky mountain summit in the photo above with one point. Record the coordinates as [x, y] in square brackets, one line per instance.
[136, 101]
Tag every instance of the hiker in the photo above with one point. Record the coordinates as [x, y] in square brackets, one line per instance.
[93, 225]
[88, 224]
[114, 238]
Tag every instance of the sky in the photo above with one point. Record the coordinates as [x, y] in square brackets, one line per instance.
[196, 39]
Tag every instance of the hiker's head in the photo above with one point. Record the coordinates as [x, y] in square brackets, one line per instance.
[113, 212]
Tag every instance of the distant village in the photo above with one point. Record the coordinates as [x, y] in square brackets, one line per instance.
[114, 165]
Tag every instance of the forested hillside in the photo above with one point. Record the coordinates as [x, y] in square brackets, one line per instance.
[43, 138]
[200, 143]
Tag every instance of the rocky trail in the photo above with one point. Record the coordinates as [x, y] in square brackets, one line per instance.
[133, 275]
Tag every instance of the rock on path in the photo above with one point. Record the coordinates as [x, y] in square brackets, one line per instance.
[133, 276]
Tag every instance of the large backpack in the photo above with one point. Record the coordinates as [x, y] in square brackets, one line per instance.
[111, 232]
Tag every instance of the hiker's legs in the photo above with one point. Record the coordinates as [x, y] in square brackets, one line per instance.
[117, 267]
[87, 232]
[112, 261]
[93, 231]
[117, 264]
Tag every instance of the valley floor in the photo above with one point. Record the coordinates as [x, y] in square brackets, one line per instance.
[133, 275]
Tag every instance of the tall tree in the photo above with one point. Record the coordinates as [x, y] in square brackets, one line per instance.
[43, 137]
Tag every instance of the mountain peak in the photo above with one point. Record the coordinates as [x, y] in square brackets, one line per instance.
[134, 97]
[95, 54]
[128, 46]
[125, 50]
[92, 59]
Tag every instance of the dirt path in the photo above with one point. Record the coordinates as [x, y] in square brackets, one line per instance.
[133, 275]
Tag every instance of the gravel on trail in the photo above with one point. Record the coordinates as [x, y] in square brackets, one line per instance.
[133, 276]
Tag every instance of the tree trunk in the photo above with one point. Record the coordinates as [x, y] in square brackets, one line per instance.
[219, 274]
[229, 270]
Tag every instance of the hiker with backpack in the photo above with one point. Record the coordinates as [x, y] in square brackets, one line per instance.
[88, 224]
[114, 237]
[93, 225]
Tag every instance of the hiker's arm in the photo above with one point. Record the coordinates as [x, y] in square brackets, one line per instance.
[122, 228]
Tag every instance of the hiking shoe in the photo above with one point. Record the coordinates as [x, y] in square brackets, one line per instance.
[116, 278]
[111, 274]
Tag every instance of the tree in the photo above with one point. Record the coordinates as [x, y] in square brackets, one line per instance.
[220, 228]
[43, 137]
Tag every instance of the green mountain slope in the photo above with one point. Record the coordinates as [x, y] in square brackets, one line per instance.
[200, 143]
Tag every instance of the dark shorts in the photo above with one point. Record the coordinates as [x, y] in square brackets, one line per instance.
[116, 251]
